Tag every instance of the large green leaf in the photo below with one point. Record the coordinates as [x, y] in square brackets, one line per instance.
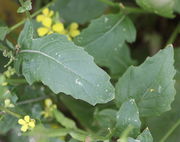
[128, 114]
[80, 11]
[151, 84]
[160, 7]
[105, 38]
[63, 66]
[159, 126]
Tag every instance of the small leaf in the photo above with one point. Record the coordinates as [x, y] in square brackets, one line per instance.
[64, 121]
[145, 136]
[21, 10]
[160, 7]
[3, 32]
[151, 84]
[27, 6]
[63, 66]
[105, 38]
[128, 114]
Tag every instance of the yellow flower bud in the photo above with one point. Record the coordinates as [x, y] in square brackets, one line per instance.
[74, 26]
[48, 102]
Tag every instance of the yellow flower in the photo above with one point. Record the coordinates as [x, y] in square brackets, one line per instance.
[49, 107]
[49, 28]
[59, 28]
[7, 103]
[27, 123]
[46, 13]
[73, 30]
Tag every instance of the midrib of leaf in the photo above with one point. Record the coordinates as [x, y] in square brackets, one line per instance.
[112, 28]
[46, 55]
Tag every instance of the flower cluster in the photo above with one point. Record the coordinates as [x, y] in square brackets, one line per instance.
[27, 123]
[49, 26]
[49, 107]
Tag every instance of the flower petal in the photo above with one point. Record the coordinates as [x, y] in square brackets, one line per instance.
[42, 31]
[24, 128]
[47, 22]
[21, 121]
[45, 11]
[40, 18]
[27, 118]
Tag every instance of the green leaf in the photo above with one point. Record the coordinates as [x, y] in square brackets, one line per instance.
[105, 120]
[151, 84]
[80, 11]
[159, 126]
[7, 122]
[21, 10]
[64, 67]
[3, 32]
[145, 136]
[128, 114]
[160, 7]
[81, 110]
[64, 121]
[105, 38]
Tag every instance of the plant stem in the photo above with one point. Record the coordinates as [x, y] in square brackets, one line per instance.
[10, 112]
[163, 139]
[32, 16]
[32, 100]
[174, 35]
[16, 81]
[127, 9]
[110, 3]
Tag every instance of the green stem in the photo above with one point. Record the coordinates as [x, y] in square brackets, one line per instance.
[32, 16]
[32, 100]
[110, 3]
[123, 137]
[10, 112]
[16, 81]
[135, 10]
[126, 9]
[174, 35]
[163, 139]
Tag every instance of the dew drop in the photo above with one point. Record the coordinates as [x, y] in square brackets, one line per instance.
[132, 101]
[159, 89]
[115, 49]
[105, 19]
[78, 82]
[106, 90]
[97, 85]
[124, 29]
